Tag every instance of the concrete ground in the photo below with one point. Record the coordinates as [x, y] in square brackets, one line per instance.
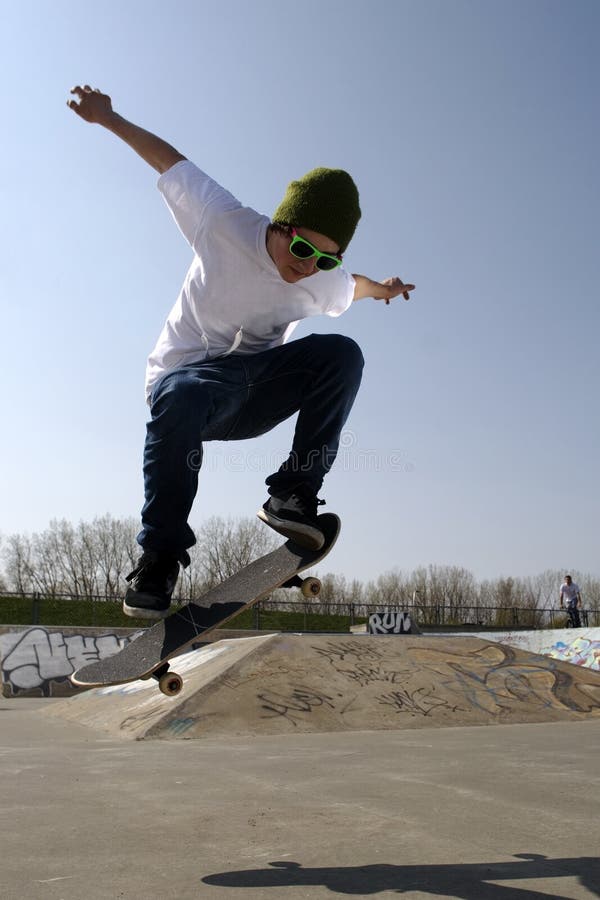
[479, 813]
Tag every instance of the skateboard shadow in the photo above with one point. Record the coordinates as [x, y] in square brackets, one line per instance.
[467, 881]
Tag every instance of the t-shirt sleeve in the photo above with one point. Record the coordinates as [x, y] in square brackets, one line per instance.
[193, 198]
[343, 292]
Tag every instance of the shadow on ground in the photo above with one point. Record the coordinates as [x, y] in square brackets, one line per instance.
[467, 881]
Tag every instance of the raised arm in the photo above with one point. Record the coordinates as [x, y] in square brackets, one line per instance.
[96, 108]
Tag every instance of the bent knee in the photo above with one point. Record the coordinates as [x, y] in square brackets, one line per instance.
[342, 350]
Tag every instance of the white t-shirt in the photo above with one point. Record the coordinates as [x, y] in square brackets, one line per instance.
[569, 592]
[233, 299]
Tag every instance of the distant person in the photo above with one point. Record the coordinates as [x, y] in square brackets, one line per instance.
[222, 368]
[571, 595]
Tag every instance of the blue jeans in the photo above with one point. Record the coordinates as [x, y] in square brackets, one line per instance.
[237, 397]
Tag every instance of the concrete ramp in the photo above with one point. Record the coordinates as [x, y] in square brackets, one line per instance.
[289, 684]
[138, 709]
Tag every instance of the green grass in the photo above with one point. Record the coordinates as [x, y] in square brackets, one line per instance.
[88, 613]
[273, 620]
[15, 611]
[23, 611]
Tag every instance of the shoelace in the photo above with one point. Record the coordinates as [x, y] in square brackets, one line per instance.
[308, 503]
[142, 564]
[146, 561]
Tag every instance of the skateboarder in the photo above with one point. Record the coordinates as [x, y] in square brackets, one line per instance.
[222, 368]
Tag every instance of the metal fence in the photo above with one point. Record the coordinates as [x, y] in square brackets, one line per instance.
[437, 616]
[305, 615]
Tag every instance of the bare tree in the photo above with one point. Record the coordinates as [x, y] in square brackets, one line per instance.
[82, 562]
[73, 558]
[329, 595]
[590, 590]
[114, 549]
[93, 558]
[390, 589]
[18, 560]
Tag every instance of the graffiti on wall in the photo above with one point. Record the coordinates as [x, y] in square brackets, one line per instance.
[389, 623]
[580, 647]
[579, 651]
[36, 659]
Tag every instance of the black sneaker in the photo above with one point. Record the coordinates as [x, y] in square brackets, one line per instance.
[295, 517]
[152, 583]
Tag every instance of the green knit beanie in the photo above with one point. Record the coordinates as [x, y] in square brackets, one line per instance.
[324, 200]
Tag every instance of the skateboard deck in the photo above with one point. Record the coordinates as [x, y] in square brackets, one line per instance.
[149, 654]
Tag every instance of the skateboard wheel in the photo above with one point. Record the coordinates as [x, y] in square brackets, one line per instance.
[170, 684]
[311, 587]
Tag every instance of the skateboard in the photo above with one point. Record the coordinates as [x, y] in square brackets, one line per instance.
[148, 655]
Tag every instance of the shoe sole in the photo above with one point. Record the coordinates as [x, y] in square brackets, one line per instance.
[144, 612]
[303, 535]
[141, 613]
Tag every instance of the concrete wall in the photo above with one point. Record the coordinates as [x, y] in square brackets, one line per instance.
[36, 661]
[578, 646]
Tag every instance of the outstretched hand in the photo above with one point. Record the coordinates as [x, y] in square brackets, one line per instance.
[393, 287]
[93, 106]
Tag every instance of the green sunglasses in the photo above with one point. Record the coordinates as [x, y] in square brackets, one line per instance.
[303, 249]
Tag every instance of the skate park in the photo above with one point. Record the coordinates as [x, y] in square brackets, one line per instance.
[185, 300]
[316, 765]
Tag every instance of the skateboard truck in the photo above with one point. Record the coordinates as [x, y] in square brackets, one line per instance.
[169, 683]
[310, 587]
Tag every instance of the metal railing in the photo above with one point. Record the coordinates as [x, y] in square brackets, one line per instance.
[314, 615]
[437, 616]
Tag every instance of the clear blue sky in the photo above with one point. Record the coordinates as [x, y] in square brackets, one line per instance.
[472, 131]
